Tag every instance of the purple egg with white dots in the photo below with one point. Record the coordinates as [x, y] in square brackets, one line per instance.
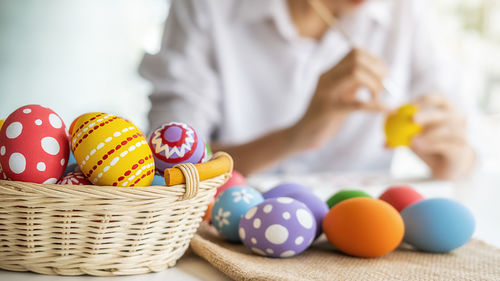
[318, 207]
[278, 227]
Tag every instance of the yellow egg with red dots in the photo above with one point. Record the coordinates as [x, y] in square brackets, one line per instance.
[111, 151]
[400, 128]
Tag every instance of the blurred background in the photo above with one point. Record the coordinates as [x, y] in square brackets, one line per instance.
[80, 55]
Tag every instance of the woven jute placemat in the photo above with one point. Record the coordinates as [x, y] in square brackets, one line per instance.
[474, 261]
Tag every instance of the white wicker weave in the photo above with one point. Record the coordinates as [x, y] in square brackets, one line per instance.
[100, 230]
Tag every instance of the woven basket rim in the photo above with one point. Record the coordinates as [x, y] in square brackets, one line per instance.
[96, 191]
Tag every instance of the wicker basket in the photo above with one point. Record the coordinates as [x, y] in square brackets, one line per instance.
[102, 230]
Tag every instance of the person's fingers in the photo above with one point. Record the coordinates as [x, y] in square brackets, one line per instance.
[433, 118]
[372, 105]
[435, 100]
[374, 65]
[423, 147]
[371, 66]
[442, 134]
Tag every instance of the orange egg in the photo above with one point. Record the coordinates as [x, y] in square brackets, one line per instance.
[364, 227]
[208, 212]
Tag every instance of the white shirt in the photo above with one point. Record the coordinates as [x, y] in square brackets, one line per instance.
[237, 69]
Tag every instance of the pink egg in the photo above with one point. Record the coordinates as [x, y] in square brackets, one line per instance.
[34, 145]
[74, 178]
[236, 180]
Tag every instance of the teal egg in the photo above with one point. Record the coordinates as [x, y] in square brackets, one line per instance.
[437, 225]
[158, 180]
[230, 206]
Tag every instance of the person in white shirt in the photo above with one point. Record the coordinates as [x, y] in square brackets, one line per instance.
[270, 82]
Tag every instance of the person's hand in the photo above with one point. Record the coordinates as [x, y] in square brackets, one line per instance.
[335, 98]
[442, 144]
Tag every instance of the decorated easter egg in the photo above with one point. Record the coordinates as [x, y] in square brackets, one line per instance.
[364, 227]
[112, 151]
[401, 197]
[438, 225]
[344, 195]
[208, 212]
[175, 143]
[318, 207]
[74, 178]
[158, 180]
[33, 145]
[208, 151]
[1, 123]
[283, 189]
[230, 206]
[278, 227]
[72, 168]
[400, 128]
[236, 179]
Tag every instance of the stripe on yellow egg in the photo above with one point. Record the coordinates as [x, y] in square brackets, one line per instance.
[95, 128]
[111, 157]
[107, 140]
[111, 152]
[145, 165]
[86, 122]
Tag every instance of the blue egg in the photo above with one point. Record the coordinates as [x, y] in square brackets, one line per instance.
[283, 189]
[230, 206]
[73, 167]
[438, 225]
[158, 180]
[71, 158]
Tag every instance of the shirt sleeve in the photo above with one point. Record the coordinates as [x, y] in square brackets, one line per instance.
[182, 73]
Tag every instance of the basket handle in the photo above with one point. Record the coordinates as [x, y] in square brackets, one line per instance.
[221, 164]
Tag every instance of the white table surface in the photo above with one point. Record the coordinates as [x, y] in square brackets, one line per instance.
[481, 194]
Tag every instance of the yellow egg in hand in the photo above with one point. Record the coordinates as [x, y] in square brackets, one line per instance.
[400, 128]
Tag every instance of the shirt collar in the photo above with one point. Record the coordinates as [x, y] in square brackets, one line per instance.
[252, 11]
[378, 11]
[257, 10]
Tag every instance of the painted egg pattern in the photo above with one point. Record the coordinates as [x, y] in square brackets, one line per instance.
[278, 227]
[33, 145]
[230, 206]
[112, 151]
[175, 143]
[318, 207]
[74, 178]
[236, 179]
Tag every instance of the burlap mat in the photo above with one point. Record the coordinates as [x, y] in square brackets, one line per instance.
[474, 261]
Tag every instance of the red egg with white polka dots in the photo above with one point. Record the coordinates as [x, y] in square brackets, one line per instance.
[34, 145]
[74, 178]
